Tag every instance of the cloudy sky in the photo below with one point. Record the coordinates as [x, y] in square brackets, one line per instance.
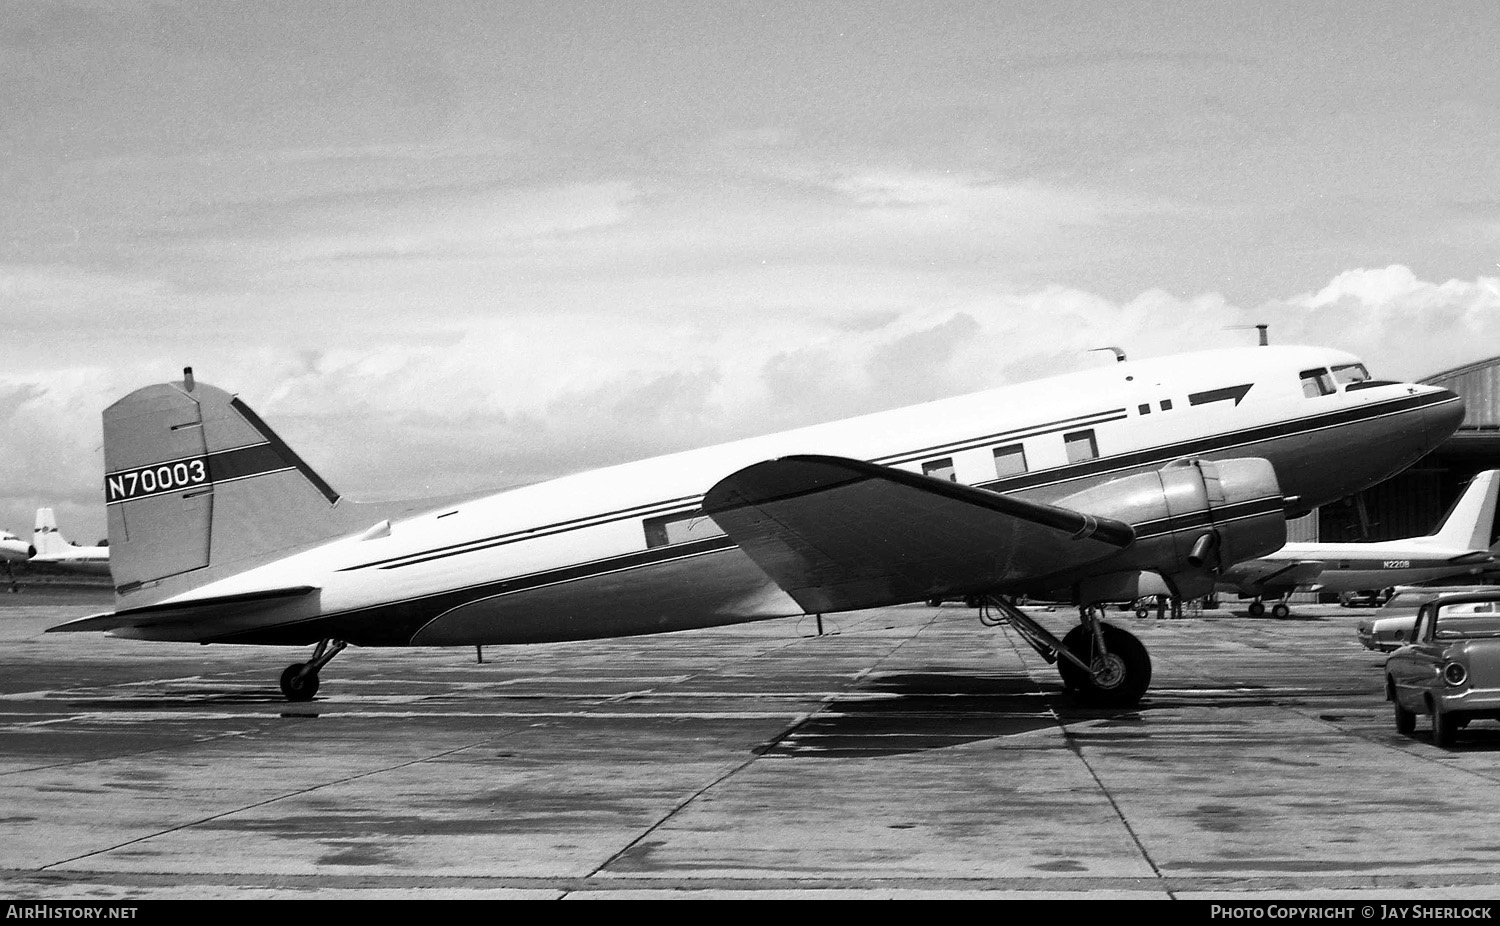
[445, 246]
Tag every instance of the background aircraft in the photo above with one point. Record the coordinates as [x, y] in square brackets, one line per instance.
[1087, 487]
[1458, 546]
[13, 549]
[53, 549]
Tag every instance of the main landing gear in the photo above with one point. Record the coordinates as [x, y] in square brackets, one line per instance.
[1100, 663]
[299, 681]
[1280, 610]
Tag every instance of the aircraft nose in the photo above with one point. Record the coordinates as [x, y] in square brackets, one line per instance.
[1442, 418]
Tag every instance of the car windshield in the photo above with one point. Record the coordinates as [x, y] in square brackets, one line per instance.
[1467, 619]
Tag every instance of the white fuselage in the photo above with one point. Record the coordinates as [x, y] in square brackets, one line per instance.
[619, 551]
[1355, 567]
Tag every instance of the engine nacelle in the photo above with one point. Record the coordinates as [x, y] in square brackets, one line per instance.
[1192, 519]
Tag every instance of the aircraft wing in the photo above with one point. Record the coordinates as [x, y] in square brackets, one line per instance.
[1260, 575]
[839, 534]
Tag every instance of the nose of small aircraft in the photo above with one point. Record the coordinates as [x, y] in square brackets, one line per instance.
[1443, 418]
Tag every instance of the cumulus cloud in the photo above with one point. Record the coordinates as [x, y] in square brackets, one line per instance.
[514, 399]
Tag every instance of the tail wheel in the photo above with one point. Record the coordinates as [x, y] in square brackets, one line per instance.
[1120, 675]
[298, 684]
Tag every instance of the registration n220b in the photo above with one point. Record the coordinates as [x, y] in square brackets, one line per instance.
[151, 480]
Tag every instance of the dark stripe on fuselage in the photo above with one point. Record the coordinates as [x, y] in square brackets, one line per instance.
[1385, 565]
[684, 504]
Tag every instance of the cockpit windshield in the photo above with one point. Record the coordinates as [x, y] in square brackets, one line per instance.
[1344, 376]
[1316, 383]
[1350, 373]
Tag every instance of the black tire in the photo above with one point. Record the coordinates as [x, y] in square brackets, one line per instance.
[1257, 609]
[298, 687]
[1406, 721]
[1130, 665]
[1444, 727]
[1280, 611]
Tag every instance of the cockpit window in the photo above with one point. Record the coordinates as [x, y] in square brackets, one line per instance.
[1316, 383]
[1350, 373]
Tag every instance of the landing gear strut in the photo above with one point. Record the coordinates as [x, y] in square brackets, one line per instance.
[1100, 663]
[299, 681]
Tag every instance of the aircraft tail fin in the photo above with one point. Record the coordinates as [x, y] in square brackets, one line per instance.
[1470, 523]
[45, 537]
[198, 487]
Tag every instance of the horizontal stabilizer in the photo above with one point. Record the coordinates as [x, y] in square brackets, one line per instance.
[838, 534]
[178, 610]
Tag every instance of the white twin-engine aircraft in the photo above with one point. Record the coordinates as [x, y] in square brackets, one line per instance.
[1089, 487]
[1459, 546]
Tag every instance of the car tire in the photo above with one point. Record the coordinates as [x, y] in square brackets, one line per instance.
[1406, 721]
[1444, 727]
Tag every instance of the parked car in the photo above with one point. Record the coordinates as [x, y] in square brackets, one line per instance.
[1451, 668]
[1390, 627]
[1372, 598]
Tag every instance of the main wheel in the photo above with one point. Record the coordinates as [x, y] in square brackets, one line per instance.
[296, 686]
[1406, 721]
[1444, 727]
[1120, 676]
[1280, 611]
[1257, 609]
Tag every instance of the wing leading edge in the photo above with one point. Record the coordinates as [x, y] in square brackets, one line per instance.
[840, 534]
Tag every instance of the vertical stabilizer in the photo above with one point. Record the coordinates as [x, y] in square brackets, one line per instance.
[46, 537]
[1469, 524]
[198, 487]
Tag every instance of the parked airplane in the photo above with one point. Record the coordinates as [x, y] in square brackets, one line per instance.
[1459, 546]
[1091, 486]
[53, 549]
[13, 549]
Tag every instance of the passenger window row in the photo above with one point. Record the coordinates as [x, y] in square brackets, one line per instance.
[1010, 459]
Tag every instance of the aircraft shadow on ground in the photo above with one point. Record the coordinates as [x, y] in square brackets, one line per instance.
[902, 714]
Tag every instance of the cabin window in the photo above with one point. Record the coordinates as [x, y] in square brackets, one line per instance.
[940, 469]
[1144, 409]
[1350, 373]
[1166, 405]
[1010, 461]
[680, 528]
[1080, 446]
[1316, 383]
